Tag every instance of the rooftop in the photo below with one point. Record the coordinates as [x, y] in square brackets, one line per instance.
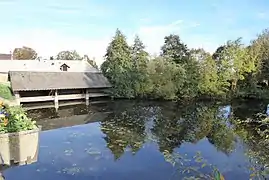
[32, 81]
[5, 56]
[45, 65]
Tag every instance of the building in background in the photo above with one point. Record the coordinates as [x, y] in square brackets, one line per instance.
[53, 80]
[6, 56]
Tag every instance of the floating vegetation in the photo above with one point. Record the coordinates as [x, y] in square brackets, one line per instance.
[185, 167]
[76, 134]
[91, 151]
[71, 170]
[68, 152]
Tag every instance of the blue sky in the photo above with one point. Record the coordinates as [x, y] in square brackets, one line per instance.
[87, 25]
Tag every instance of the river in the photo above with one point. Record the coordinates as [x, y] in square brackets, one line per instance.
[130, 140]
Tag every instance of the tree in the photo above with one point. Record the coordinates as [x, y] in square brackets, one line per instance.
[140, 60]
[140, 57]
[209, 82]
[199, 54]
[68, 55]
[166, 78]
[217, 54]
[118, 65]
[175, 49]
[90, 61]
[24, 53]
[236, 62]
[260, 52]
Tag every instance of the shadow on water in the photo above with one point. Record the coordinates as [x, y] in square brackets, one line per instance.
[135, 140]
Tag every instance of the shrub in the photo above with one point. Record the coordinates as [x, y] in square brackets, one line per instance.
[14, 119]
[5, 92]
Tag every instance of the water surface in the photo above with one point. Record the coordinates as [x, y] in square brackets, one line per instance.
[128, 140]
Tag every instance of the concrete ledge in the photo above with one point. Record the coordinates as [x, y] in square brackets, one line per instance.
[20, 147]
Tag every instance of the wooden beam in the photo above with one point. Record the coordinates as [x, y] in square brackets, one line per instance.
[87, 97]
[60, 97]
[56, 100]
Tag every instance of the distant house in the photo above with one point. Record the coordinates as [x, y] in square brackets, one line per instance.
[53, 80]
[5, 56]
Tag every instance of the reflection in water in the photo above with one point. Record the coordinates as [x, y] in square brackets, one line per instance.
[132, 141]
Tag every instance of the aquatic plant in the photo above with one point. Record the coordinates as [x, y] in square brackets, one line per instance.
[184, 166]
[14, 119]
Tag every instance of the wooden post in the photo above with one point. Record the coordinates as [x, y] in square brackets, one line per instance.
[18, 97]
[87, 97]
[56, 100]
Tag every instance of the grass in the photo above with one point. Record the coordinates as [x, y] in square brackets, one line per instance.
[5, 91]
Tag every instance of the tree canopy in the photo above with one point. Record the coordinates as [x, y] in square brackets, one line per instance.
[68, 55]
[24, 53]
[233, 70]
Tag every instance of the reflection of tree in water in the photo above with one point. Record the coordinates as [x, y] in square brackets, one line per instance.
[222, 137]
[125, 129]
[246, 109]
[256, 145]
[191, 124]
[172, 126]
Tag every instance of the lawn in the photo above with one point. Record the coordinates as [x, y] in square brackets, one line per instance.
[5, 91]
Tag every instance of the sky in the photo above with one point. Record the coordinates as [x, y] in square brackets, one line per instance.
[50, 26]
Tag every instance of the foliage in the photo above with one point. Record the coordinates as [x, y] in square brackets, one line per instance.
[68, 55]
[166, 78]
[14, 119]
[209, 82]
[175, 49]
[140, 59]
[118, 66]
[90, 61]
[24, 53]
[234, 70]
[5, 91]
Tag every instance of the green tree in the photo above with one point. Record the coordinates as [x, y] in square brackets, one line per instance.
[175, 49]
[90, 61]
[166, 78]
[68, 55]
[209, 82]
[118, 65]
[140, 59]
[236, 62]
[260, 53]
[24, 53]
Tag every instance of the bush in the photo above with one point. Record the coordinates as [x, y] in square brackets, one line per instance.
[14, 119]
[5, 92]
